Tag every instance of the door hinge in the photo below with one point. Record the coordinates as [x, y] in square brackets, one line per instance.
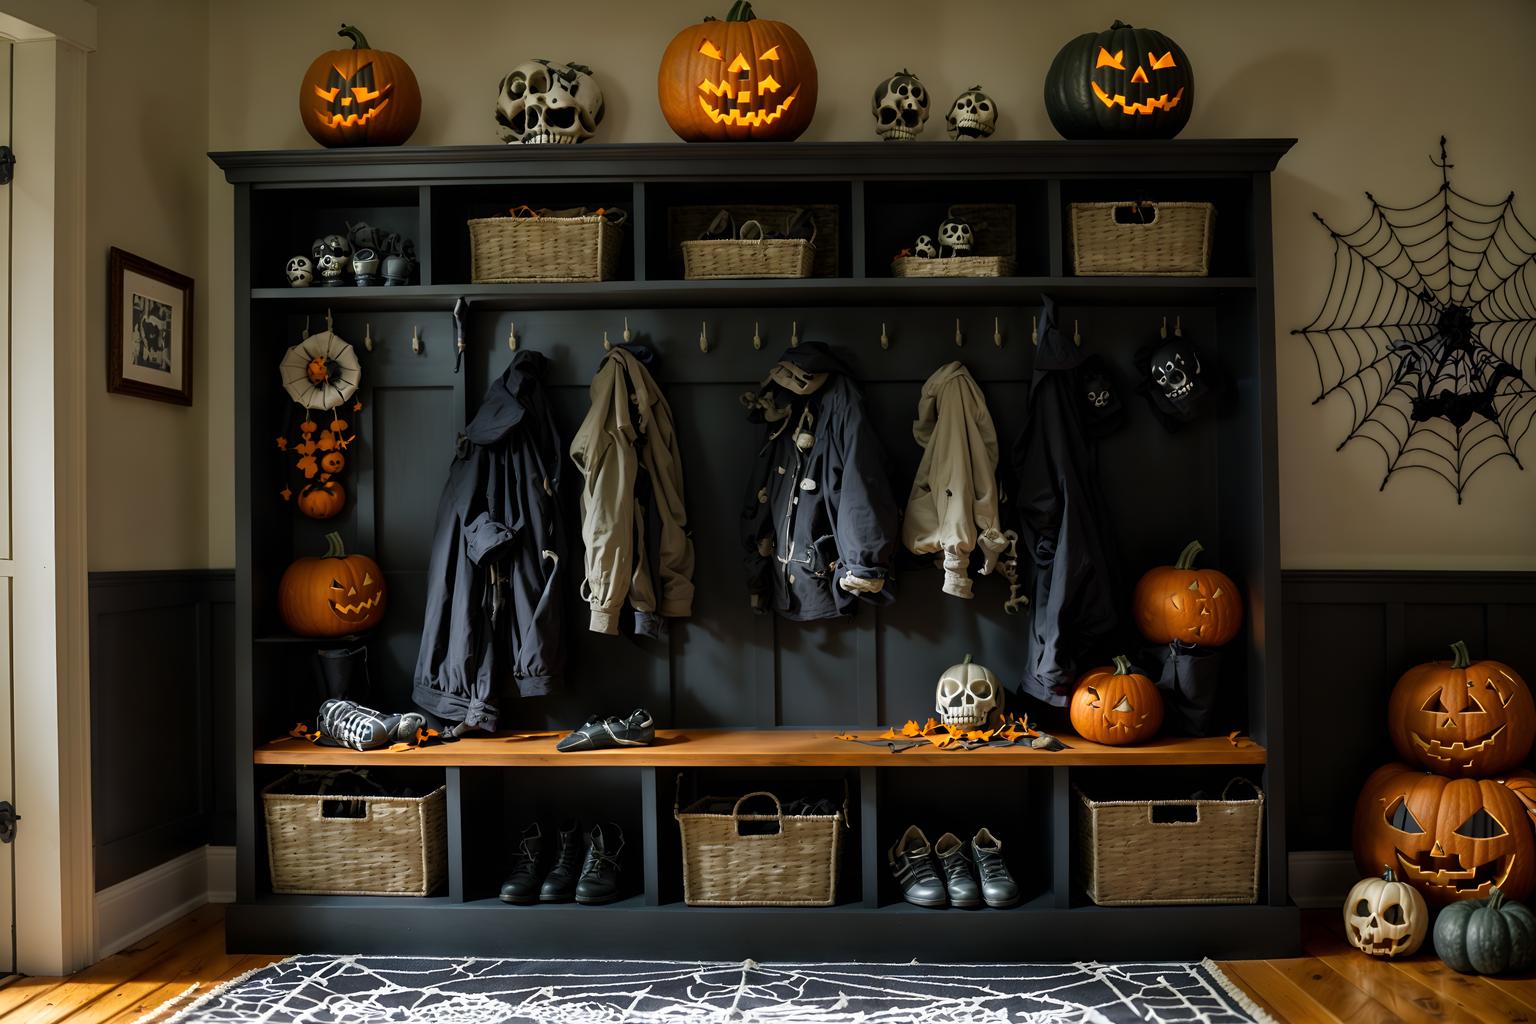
[8, 820]
[7, 171]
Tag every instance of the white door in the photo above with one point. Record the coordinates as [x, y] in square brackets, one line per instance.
[7, 570]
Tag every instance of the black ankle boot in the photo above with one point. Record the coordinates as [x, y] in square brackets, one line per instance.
[997, 886]
[958, 876]
[522, 884]
[599, 882]
[560, 884]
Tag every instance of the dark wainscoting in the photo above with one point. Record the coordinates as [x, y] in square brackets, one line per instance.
[162, 717]
[1348, 636]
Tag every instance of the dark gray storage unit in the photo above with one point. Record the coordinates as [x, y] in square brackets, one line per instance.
[736, 684]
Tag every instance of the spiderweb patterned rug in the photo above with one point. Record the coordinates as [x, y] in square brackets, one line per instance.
[322, 989]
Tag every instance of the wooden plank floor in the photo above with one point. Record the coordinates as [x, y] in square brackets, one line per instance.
[1332, 983]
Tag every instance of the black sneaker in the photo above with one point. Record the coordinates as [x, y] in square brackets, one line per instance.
[599, 881]
[637, 730]
[560, 884]
[911, 861]
[723, 227]
[959, 879]
[997, 886]
[522, 884]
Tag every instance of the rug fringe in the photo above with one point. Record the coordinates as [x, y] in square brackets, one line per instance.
[1237, 993]
[153, 1017]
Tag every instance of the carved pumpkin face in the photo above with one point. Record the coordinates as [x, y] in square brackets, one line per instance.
[322, 500]
[1116, 706]
[1384, 917]
[737, 79]
[1452, 839]
[334, 595]
[1123, 83]
[1461, 717]
[359, 97]
[1193, 606]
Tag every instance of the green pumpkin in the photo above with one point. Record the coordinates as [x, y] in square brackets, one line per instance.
[1490, 936]
[1123, 83]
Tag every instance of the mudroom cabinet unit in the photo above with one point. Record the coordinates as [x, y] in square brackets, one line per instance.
[745, 701]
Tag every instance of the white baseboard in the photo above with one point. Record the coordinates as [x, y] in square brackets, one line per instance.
[1321, 878]
[141, 905]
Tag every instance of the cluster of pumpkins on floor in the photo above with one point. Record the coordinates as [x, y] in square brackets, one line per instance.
[1451, 826]
[752, 79]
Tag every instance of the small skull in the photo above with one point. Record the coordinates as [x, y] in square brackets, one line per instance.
[973, 115]
[1384, 917]
[300, 272]
[541, 102]
[957, 237]
[924, 247]
[967, 694]
[900, 107]
[1175, 378]
[333, 267]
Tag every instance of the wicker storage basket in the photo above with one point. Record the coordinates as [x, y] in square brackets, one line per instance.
[318, 845]
[1133, 852]
[506, 250]
[993, 226]
[952, 266]
[1153, 239]
[731, 258]
[795, 866]
[686, 223]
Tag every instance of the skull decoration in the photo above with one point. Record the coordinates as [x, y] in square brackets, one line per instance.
[900, 107]
[333, 268]
[924, 247]
[973, 115]
[968, 694]
[957, 237]
[1385, 917]
[1176, 376]
[300, 272]
[541, 101]
[336, 245]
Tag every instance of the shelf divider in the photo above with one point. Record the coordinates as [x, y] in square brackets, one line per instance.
[1061, 837]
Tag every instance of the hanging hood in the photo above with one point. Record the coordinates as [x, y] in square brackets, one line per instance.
[504, 403]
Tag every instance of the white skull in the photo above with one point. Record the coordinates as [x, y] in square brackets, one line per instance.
[1385, 917]
[1174, 378]
[924, 247]
[973, 115]
[333, 265]
[541, 101]
[956, 236]
[967, 695]
[300, 272]
[900, 107]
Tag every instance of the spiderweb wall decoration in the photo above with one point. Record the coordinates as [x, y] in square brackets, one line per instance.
[1426, 331]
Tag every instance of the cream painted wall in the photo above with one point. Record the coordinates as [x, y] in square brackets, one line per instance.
[1366, 86]
[146, 462]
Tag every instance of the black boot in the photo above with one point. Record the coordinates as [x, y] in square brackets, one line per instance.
[911, 862]
[959, 879]
[560, 884]
[522, 884]
[599, 882]
[997, 886]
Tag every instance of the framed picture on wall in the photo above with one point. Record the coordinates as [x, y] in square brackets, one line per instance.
[149, 329]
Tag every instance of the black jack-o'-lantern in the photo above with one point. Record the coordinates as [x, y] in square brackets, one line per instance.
[1125, 82]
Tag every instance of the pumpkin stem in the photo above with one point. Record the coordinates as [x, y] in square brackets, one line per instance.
[352, 32]
[1122, 665]
[1118, 24]
[741, 10]
[334, 549]
[1495, 898]
[967, 660]
[1460, 656]
[1389, 875]
[1187, 556]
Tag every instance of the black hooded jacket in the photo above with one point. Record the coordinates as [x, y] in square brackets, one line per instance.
[1062, 520]
[493, 599]
[819, 520]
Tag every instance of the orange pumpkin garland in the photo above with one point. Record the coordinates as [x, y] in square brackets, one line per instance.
[1194, 606]
[359, 97]
[1115, 706]
[1462, 718]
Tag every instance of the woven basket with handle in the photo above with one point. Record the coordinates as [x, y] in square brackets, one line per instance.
[1153, 239]
[750, 256]
[793, 865]
[539, 247]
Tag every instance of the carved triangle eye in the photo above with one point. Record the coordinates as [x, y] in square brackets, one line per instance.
[1124, 705]
[1402, 819]
[1435, 704]
[1481, 825]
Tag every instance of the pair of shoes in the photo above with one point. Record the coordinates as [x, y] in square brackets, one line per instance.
[724, 228]
[638, 729]
[585, 868]
[912, 861]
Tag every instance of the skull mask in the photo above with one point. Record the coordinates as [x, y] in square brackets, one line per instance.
[956, 236]
[973, 115]
[300, 272]
[1176, 377]
[924, 247]
[545, 102]
[968, 694]
[333, 267]
[336, 245]
[1385, 917]
[900, 107]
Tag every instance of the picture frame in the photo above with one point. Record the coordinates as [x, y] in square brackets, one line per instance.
[149, 329]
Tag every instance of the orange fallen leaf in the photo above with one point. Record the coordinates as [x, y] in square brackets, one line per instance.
[1233, 737]
[299, 731]
[889, 734]
[911, 729]
[844, 736]
[929, 726]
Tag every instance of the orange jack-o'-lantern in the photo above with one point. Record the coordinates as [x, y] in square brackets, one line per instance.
[1116, 706]
[737, 79]
[1194, 606]
[333, 595]
[359, 97]
[322, 499]
[1462, 717]
[1123, 83]
[1452, 839]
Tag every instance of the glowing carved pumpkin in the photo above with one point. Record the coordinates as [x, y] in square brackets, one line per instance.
[1116, 706]
[1462, 717]
[1452, 839]
[359, 97]
[1180, 602]
[737, 79]
[1127, 82]
[333, 595]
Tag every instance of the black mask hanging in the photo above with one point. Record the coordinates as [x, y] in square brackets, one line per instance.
[1180, 383]
[1102, 408]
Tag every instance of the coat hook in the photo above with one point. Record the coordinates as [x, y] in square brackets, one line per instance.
[1164, 332]
[997, 332]
[1077, 338]
[368, 336]
[460, 313]
[329, 328]
[1178, 327]
[704, 336]
[628, 337]
[794, 334]
[1034, 331]
[959, 338]
[305, 332]
[757, 337]
[512, 336]
[416, 339]
[607, 345]
[885, 339]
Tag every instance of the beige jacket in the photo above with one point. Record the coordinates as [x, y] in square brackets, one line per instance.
[629, 431]
[953, 506]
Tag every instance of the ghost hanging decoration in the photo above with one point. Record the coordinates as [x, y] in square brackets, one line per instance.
[540, 102]
[973, 115]
[900, 107]
[321, 374]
